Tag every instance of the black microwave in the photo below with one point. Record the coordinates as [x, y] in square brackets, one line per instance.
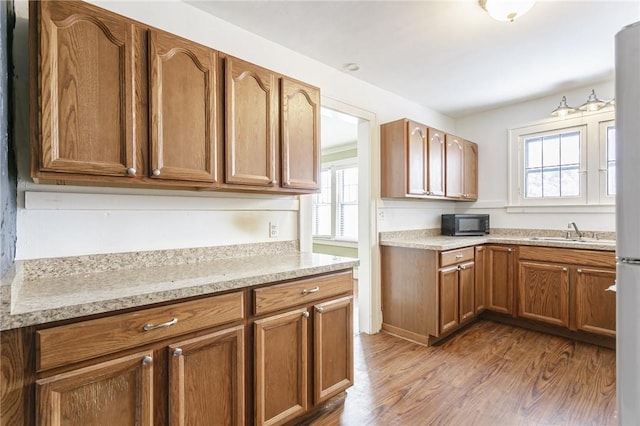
[465, 224]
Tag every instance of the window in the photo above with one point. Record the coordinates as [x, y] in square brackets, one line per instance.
[552, 165]
[610, 157]
[335, 208]
[563, 162]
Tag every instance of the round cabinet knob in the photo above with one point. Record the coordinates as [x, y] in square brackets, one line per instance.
[579, 271]
[177, 352]
[320, 309]
[131, 171]
[156, 172]
[564, 269]
[305, 314]
[509, 250]
[147, 360]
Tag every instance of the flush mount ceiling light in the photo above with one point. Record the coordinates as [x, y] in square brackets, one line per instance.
[351, 66]
[506, 10]
[563, 109]
[593, 103]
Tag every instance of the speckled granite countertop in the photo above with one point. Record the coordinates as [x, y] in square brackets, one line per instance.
[30, 297]
[430, 239]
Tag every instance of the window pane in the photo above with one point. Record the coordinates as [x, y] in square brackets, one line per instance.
[533, 149]
[322, 220]
[570, 148]
[611, 143]
[570, 181]
[349, 221]
[611, 178]
[533, 183]
[551, 182]
[551, 150]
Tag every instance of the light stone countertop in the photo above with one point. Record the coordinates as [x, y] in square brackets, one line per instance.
[52, 298]
[429, 240]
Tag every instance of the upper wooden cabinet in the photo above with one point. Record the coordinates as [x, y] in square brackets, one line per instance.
[183, 113]
[421, 162]
[118, 102]
[300, 133]
[251, 102]
[461, 169]
[88, 90]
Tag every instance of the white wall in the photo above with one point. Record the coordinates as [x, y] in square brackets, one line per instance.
[132, 219]
[490, 130]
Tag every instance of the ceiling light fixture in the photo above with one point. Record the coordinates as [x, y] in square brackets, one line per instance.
[593, 103]
[563, 109]
[351, 66]
[506, 10]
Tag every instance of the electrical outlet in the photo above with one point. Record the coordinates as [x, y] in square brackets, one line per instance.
[273, 230]
[380, 215]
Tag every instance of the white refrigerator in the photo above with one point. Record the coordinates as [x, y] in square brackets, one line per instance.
[628, 224]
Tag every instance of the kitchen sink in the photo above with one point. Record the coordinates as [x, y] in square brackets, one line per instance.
[571, 240]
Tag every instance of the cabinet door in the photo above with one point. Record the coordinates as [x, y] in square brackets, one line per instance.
[448, 295]
[281, 363]
[500, 279]
[250, 124]
[454, 154]
[466, 290]
[595, 307]
[206, 379]
[470, 172]
[480, 256]
[435, 184]
[88, 89]
[116, 392]
[543, 292]
[300, 129]
[333, 348]
[416, 159]
[182, 85]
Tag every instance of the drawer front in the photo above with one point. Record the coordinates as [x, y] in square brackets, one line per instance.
[604, 259]
[88, 339]
[282, 296]
[452, 257]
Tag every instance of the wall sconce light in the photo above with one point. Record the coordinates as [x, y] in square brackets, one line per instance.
[563, 109]
[506, 10]
[593, 103]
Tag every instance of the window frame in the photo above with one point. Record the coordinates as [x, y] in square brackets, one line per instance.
[592, 155]
[603, 169]
[334, 166]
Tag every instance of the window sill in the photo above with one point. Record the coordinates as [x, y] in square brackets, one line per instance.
[568, 208]
[335, 242]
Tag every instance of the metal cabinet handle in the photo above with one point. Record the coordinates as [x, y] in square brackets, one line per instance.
[458, 256]
[156, 172]
[131, 171]
[177, 352]
[305, 314]
[320, 309]
[579, 271]
[148, 327]
[564, 269]
[313, 290]
[147, 360]
[462, 267]
[509, 250]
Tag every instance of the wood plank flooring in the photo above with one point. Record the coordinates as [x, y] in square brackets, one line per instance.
[487, 374]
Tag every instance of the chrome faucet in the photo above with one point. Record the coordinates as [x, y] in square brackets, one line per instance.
[578, 233]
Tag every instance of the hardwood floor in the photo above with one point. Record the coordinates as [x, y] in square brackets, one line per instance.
[487, 374]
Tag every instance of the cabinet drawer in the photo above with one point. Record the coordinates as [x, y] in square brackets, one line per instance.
[88, 339]
[605, 259]
[452, 257]
[282, 296]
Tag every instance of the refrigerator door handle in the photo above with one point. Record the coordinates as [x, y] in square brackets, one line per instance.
[629, 261]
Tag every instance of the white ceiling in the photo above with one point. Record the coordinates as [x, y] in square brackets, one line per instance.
[446, 55]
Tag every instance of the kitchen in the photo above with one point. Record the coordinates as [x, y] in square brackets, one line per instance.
[107, 220]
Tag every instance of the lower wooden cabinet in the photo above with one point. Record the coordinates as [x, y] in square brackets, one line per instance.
[543, 292]
[480, 262]
[457, 293]
[118, 392]
[500, 279]
[187, 363]
[290, 378]
[567, 288]
[206, 379]
[595, 307]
